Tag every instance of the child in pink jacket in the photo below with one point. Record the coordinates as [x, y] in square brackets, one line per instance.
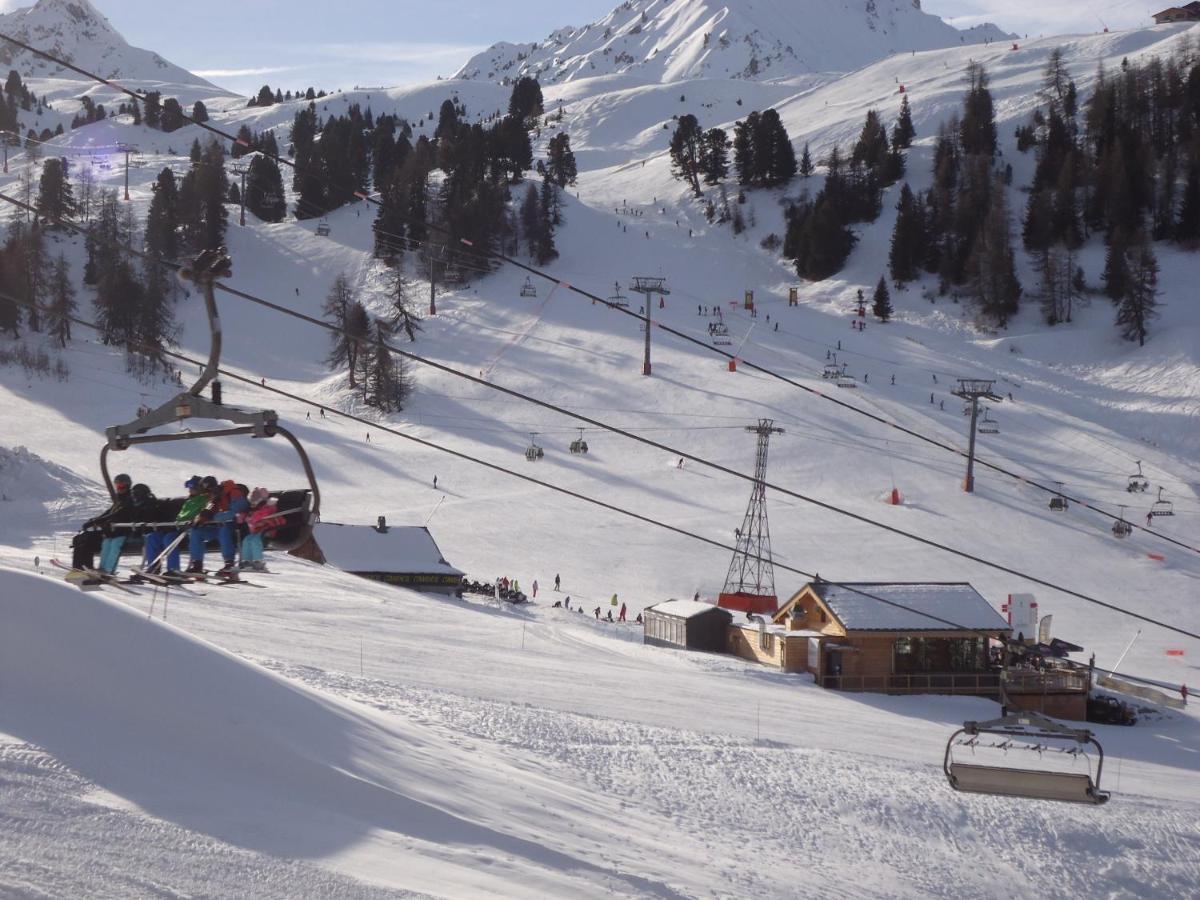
[262, 519]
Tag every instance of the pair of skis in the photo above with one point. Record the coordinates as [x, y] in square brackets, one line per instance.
[81, 576]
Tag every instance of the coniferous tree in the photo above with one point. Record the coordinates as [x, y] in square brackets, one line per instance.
[991, 266]
[264, 189]
[1187, 227]
[265, 96]
[881, 301]
[714, 155]
[548, 208]
[199, 111]
[907, 253]
[525, 103]
[560, 161]
[172, 115]
[404, 316]
[806, 163]
[1116, 275]
[55, 199]
[686, 142]
[903, 131]
[162, 218]
[1138, 306]
[387, 384]
[154, 324]
[153, 108]
[977, 129]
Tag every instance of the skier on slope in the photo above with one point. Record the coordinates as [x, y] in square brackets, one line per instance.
[621, 616]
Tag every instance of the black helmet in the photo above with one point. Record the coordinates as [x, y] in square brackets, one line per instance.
[208, 483]
[193, 482]
[122, 482]
[140, 493]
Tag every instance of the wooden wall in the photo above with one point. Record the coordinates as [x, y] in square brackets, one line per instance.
[781, 652]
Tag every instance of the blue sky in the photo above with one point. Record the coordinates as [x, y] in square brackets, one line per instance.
[298, 43]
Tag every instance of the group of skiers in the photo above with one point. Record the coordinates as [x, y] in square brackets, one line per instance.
[231, 514]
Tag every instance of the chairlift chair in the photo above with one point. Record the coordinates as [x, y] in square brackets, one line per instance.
[847, 381]
[1121, 528]
[1058, 503]
[1138, 483]
[1036, 736]
[720, 334]
[1162, 507]
[618, 299]
[988, 426]
[323, 228]
[299, 508]
[579, 445]
[527, 289]
[832, 370]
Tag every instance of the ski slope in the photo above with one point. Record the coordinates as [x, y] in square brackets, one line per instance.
[329, 736]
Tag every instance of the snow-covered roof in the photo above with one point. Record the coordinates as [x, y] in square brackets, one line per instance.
[683, 609]
[957, 603]
[361, 548]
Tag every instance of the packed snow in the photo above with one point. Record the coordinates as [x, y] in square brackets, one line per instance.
[324, 735]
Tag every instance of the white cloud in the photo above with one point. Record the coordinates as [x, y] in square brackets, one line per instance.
[401, 52]
[241, 73]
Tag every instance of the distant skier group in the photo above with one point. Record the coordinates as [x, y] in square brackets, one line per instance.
[237, 518]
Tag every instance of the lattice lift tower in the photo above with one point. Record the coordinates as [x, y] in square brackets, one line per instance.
[750, 582]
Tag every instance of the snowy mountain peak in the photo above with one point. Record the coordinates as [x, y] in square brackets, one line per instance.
[673, 40]
[76, 31]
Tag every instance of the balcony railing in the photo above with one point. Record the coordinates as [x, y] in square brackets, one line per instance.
[1056, 681]
[975, 683]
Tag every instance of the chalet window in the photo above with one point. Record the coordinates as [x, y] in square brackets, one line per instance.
[910, 655]
[966, 654]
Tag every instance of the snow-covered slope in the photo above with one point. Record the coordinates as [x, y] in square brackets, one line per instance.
[675, 40]
[76, 31]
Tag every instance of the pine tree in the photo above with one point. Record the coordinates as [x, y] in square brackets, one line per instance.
[1187, 227]
[525, 103]
[977, 130]
[172, 115]
[531, 220]
[560, 161]
[992, 266]
[387, 384]
[714, 159]
[1116, 267]
[265, 96]
[881, 302]
[806, 163]
[61, 302]
[907, 253]
[403, 315]
[264, 189]
[55, 199]
[350, 317]
[154, 324]
[199, 111]
[903, 131]
[548, 207]
[686, 151]
[1138, 306]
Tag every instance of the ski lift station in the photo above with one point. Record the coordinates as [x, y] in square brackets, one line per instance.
[405, 555]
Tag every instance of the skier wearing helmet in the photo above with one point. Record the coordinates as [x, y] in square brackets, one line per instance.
[261, 521]
[132, 510]
[216, 521]
[87, 543]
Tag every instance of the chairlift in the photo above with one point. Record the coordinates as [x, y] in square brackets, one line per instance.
[533, 453]
[300, 507]
[1040, 740]
[988, 426]
[323, 228]
[1162, 507]
[832, 370]
[1058, 503]
[847, 381]
[720, 334]
[527, 289]
[579, 445]
[1121, 528]
[1138, 483]
[618, 299]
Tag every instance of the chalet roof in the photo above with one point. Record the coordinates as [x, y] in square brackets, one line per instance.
[684, 609]
[399, 549]
[915, 603]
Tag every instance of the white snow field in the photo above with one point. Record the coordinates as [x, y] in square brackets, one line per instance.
[325, 736]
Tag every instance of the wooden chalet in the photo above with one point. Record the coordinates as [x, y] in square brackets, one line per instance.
[1187, 13]
[926, 637]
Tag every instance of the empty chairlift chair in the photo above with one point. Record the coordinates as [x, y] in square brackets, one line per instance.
[988, 426]
[1058, 503]
[1025, 755]
[618, 299]
[323, 228]
[1162, 507]
[845, 380]
[527, 289]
